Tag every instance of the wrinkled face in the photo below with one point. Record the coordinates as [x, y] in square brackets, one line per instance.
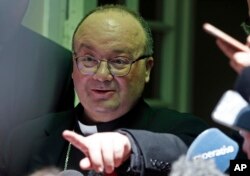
[106, 35]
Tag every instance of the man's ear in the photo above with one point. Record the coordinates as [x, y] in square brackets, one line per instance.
[149, 65]
[73, 65]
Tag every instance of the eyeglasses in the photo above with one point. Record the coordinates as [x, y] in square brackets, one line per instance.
[118, 66]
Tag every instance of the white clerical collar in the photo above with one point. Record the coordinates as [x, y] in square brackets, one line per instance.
[87, 129]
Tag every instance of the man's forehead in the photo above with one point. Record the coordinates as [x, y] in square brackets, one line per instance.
[109, 26]
[110, 20]
[110, 15]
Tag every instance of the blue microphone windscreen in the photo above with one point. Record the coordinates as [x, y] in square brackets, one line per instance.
[213, 144]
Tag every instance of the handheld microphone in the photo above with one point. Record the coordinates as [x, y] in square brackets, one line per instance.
[70, 173]
[233, 111]
[215, 145]
[184, 167]
[233, 108]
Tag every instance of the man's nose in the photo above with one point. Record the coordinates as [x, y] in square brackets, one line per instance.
[103, 73]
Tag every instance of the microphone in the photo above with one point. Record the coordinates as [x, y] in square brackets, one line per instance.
[233, 111]
[199, 167]
[215, 145]
[70, 172]
[233, 108]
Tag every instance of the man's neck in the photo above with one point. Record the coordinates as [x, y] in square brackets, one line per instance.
[99, 117]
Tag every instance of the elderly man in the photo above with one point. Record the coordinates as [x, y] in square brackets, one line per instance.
[112, 130]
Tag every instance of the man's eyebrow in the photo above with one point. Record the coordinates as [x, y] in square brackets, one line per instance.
[83, 45]
[114, 50]
[120, 51]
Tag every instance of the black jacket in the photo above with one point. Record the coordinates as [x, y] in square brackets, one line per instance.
[39, 143]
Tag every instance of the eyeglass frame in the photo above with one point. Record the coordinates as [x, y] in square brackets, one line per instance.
[131, 62]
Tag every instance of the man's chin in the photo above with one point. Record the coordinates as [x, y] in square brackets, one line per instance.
[106, 108]
[104, 105]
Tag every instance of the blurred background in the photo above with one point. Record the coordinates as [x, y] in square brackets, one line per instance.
[190, 73]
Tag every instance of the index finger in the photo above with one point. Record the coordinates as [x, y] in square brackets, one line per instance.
[227, 49]
[75, 139]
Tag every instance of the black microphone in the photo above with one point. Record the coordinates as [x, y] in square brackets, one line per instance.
[70, 173]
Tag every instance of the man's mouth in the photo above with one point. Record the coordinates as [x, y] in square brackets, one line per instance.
[104, 93]
[102, 90]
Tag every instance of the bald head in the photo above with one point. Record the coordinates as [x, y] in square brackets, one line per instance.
[116, 17]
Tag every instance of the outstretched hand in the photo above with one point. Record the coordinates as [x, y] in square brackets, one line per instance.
[104, 151]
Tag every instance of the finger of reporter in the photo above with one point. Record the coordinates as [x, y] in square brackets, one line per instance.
[235, 66]
[108, 155]
[225, 48]
[77, 140]
[242, 58]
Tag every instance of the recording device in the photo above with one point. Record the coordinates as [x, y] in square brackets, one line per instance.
[209, 28]
[183, 167]
[214, 145]
[233, 111]
[70, 173]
